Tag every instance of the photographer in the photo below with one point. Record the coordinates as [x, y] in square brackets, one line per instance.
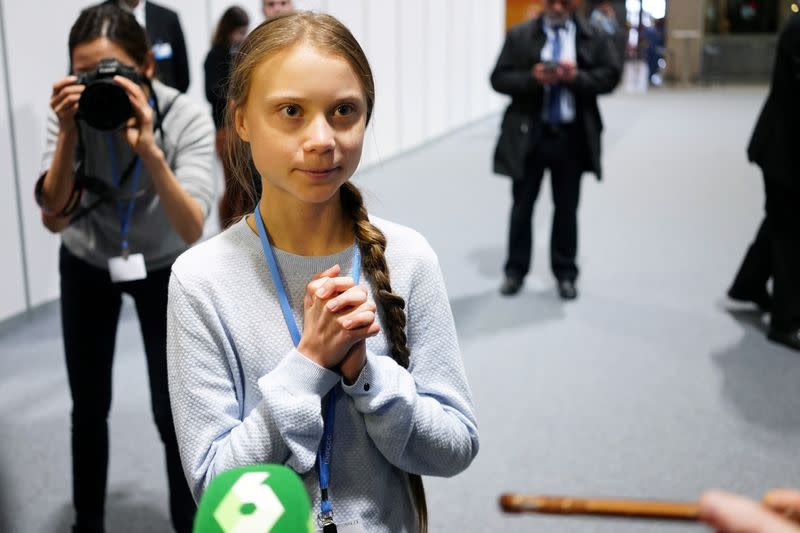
[127, 181]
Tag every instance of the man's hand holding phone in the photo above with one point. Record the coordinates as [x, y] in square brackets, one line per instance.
[567, 71]
[546, 72]
[552, 72]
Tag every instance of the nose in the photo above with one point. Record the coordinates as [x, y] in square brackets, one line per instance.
[320, 136]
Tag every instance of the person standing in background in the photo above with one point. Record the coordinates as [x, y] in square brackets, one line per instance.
[273, 8]
[773, 147]
[604, 17]
[126, 200]
[164, 31]
[553, 68]
[229, 34]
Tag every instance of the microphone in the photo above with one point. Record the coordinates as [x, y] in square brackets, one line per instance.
[255, 499]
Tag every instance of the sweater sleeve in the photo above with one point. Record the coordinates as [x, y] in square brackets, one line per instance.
[193, 158]
[421, 419]
[205, 384]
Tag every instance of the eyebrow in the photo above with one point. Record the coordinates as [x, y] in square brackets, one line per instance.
[289, 97]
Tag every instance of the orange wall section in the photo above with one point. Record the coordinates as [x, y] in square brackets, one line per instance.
[521, 10]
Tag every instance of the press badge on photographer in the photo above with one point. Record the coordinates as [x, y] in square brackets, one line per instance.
[105, 106]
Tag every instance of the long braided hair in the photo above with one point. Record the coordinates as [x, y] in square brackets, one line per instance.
[329, 35]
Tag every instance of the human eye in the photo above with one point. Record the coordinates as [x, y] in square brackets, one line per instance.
[291, 111]
[345, 109]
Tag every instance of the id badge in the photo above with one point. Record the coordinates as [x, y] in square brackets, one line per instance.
[351, 526]
[162, 51]
[130, 268]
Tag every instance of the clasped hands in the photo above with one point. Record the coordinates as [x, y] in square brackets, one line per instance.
[548, 74]
[338, 318]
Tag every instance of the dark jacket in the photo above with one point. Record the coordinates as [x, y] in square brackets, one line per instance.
[598, 73]
[217, 67]
[164, 32]
[775, 144]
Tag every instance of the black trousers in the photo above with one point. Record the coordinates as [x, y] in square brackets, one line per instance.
[775, 253]
[560, 151]
[90, 307]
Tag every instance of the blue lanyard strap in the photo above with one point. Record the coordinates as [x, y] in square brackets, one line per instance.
[326, 444]
[324, 455]
[286, 308]
[124, 214]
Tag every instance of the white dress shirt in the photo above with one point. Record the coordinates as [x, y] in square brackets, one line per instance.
[568, 53]
[137, 11]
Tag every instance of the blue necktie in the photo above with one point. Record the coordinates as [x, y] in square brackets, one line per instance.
[554, 111]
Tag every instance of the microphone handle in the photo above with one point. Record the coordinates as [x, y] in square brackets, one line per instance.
[522, 503]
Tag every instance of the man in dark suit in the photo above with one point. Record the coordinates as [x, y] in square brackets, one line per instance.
[553, 68]
[166, 37]
[775, 147]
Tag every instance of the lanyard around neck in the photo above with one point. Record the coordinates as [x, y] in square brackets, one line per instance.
[125, 213]
[326, 444]
[278, 281]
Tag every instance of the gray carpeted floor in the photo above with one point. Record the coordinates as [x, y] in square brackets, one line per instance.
[644, 387]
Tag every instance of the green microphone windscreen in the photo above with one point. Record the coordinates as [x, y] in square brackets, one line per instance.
[255, 499]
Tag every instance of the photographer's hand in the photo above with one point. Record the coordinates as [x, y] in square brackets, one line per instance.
[184, 212]
[64, 102]
[59, 180]
[139, 128]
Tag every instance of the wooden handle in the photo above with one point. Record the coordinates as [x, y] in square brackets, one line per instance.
[521, 503]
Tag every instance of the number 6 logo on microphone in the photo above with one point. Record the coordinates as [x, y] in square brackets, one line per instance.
[251, 506]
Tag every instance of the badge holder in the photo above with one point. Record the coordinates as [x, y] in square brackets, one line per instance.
[127, 266]
[162, 51]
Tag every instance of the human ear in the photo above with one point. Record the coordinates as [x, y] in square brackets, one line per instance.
[149, 66]
[240, 124]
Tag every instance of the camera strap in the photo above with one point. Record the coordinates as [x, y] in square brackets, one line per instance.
[101, 189]
[125, 212]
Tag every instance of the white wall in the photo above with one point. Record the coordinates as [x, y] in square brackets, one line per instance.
[12, 285]
[431, 60]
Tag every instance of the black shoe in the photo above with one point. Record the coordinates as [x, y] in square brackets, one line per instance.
[760, 297]
[567, 290]
[511, 286]
[789, 338]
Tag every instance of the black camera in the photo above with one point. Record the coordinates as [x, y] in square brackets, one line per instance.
[104, 104]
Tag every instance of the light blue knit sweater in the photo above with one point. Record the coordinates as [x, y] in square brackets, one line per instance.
[241, 394]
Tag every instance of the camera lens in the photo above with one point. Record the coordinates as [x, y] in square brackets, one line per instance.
[104, 105]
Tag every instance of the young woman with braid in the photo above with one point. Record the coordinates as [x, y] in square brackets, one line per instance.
[370, 387]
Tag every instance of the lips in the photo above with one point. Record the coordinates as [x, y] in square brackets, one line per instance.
[319, 172]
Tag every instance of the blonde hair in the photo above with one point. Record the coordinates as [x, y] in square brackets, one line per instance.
[329, 35]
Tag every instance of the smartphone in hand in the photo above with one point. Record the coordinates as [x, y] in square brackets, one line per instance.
[550, 66]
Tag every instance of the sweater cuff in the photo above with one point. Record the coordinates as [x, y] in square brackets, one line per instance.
[299, 375]
[373, 379]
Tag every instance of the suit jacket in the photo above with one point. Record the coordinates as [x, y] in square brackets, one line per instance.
[164, 30]
[775, 144]
[217, 67]
[598, 72]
